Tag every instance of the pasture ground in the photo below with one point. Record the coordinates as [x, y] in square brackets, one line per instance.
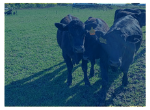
[35, 72]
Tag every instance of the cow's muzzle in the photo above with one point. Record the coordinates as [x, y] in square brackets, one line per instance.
[78, 49]
[114, 64]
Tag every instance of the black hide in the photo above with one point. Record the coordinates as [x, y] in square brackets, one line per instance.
[116, 48]
[138, 14]
[70, 37]
[91, 41]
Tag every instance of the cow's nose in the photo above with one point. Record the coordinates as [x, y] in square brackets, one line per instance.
[78, 49]
[114, 64]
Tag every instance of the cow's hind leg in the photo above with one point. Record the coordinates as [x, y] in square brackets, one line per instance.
[84, 68]
[69, 68]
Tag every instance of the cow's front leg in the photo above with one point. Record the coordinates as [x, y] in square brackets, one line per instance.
[104, 75]
[126, 61]
[125, 79]
[125, 67]
[84, 68]
[92, 68]
[69, 68]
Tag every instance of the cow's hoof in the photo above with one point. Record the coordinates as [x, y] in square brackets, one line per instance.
[69, 84]
[91, 75]
[102, 99]
[87, 84]
[102, 104]
[124, 83]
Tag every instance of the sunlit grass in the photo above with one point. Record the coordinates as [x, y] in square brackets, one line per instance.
[35, 72]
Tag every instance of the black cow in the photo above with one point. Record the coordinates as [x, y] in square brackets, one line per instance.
[138, 14]
[70, 37]
[9, 12]
[117, 47]
[135, 11]
[91, 52]
[123, 40]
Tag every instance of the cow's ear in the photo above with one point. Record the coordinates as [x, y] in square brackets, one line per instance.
[134, 39]
[88, 26]
[62, 27]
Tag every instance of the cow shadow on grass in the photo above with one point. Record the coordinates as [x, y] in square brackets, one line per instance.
[49, 88]
[31, 91]
[91, 95]
[45, 88]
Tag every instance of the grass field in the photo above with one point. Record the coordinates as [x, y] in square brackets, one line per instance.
[35, 72]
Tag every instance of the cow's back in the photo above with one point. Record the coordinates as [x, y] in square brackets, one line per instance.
[135, 11]
[138, 14]
[101, 25]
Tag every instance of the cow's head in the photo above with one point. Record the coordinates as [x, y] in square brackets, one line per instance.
[77, 31]
[92, 45]
[95, 28]
[116, 45]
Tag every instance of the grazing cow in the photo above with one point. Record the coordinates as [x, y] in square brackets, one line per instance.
[138, 14]
[91, 52]
[70, 37]
[116, 48]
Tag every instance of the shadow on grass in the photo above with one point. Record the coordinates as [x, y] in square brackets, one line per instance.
[47, 88]
[41, 89]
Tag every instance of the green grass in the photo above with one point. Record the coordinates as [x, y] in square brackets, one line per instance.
[35, 72]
